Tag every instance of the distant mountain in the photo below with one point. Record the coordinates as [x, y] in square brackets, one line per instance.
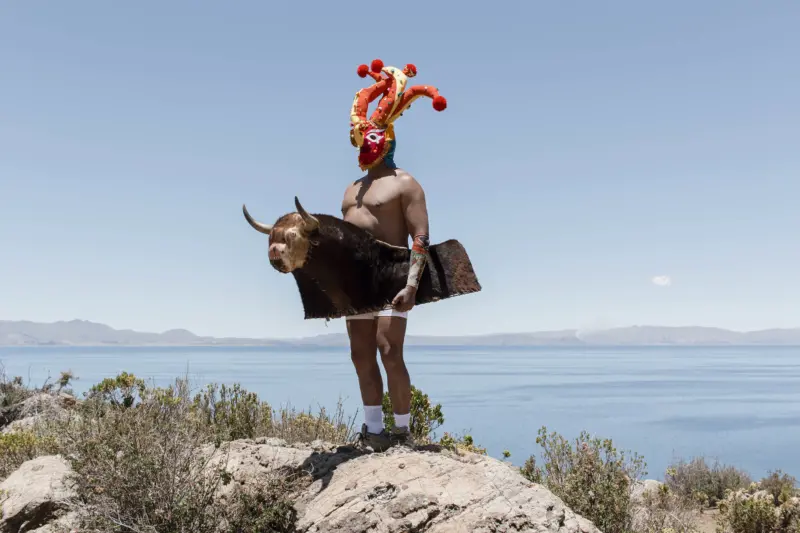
[84, 333]
[691, 335]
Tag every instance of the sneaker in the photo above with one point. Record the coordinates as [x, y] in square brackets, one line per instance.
[401, 436]
[379, 442]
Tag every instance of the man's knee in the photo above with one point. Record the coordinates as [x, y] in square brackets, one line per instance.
[364, 355]
[363, 349]
[391, 353]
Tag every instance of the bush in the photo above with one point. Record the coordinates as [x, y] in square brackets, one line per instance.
[425, 418]
[662, 510]
[593, 478]
[748, 515]
[780, 486]
[20, 446]
[755, 512]
[12, 391]
[461, 444]
[259, 511]
[65, 380]
[789, 517]
[120, 391]
[233, 412]
[141, 462]
[705, 484]
[293, 426]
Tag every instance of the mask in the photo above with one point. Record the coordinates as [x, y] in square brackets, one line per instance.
[378, 145]
[375, 137]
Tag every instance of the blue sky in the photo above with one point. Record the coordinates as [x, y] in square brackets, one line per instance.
[586, 148]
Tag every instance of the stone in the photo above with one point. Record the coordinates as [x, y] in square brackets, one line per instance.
[38, 407]
[401, 490]
[342, 489]
[644, 486]
[35, 494]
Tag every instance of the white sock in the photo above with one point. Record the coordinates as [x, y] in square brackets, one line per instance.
[373, 417]
[402, 420]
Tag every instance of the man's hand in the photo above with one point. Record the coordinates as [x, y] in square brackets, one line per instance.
[405, 299]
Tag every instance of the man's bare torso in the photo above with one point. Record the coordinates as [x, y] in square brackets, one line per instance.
[376, 205]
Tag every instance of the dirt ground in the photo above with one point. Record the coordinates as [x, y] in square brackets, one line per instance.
[707, 521]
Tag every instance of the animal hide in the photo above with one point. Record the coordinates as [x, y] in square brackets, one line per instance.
[349, 272]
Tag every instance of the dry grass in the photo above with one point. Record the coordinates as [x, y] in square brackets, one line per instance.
[705, 483]
[662, 510]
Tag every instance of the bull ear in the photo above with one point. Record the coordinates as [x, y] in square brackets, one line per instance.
[258, 226]
[311, 222]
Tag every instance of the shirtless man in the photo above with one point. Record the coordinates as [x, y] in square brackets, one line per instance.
[389, 203]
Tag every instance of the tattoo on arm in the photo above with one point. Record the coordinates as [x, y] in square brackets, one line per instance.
[419, 256]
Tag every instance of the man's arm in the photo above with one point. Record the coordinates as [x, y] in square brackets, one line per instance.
[416, 216]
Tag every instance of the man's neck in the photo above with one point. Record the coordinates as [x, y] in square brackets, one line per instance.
[380, 170]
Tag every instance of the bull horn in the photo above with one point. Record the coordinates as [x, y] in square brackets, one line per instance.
[258, 226]
[310, 220]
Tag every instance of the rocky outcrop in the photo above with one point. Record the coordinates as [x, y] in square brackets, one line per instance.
[644, 486]
[38, 407]
[343, 490]
[33, 497]
[402, 490]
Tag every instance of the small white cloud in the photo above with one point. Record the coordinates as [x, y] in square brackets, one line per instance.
[662, 281]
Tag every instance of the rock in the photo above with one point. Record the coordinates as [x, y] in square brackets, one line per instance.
[68, 522]
[350, 491]
[38, 407]
[34, 494]
[24, 424]
[644, 486]
[345, 490]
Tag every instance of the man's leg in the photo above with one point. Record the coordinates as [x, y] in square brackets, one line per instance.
[363, 353]
[391, 335]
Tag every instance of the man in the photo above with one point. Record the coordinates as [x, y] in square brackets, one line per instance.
[389, 203]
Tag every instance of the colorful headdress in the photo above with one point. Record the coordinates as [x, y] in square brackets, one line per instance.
[375, 137]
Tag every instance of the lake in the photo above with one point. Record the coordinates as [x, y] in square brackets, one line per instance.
[738, 404]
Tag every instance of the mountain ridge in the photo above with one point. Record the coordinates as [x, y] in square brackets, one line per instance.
[86, 333]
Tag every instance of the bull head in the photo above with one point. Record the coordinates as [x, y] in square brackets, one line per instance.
[288, 238]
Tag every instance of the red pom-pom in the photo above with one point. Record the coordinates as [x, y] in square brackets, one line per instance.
[363, 70]
[377, 65]
[439, 103]
[411, 69]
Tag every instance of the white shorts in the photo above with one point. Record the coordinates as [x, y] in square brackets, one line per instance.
[375, 314]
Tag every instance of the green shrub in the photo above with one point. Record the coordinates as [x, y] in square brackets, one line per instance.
[593, 478]
[740, 513]
[789, 517]
[743, 512]
[705, 483]
[12, 391]
[233, 412]
[461, 444]
[146, 465]
[532, 472]
[425, 417]
[65, 380]
[120, 391]
[779, 485]
[19, 446]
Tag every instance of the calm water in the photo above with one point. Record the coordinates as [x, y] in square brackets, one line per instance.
[741, 405]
